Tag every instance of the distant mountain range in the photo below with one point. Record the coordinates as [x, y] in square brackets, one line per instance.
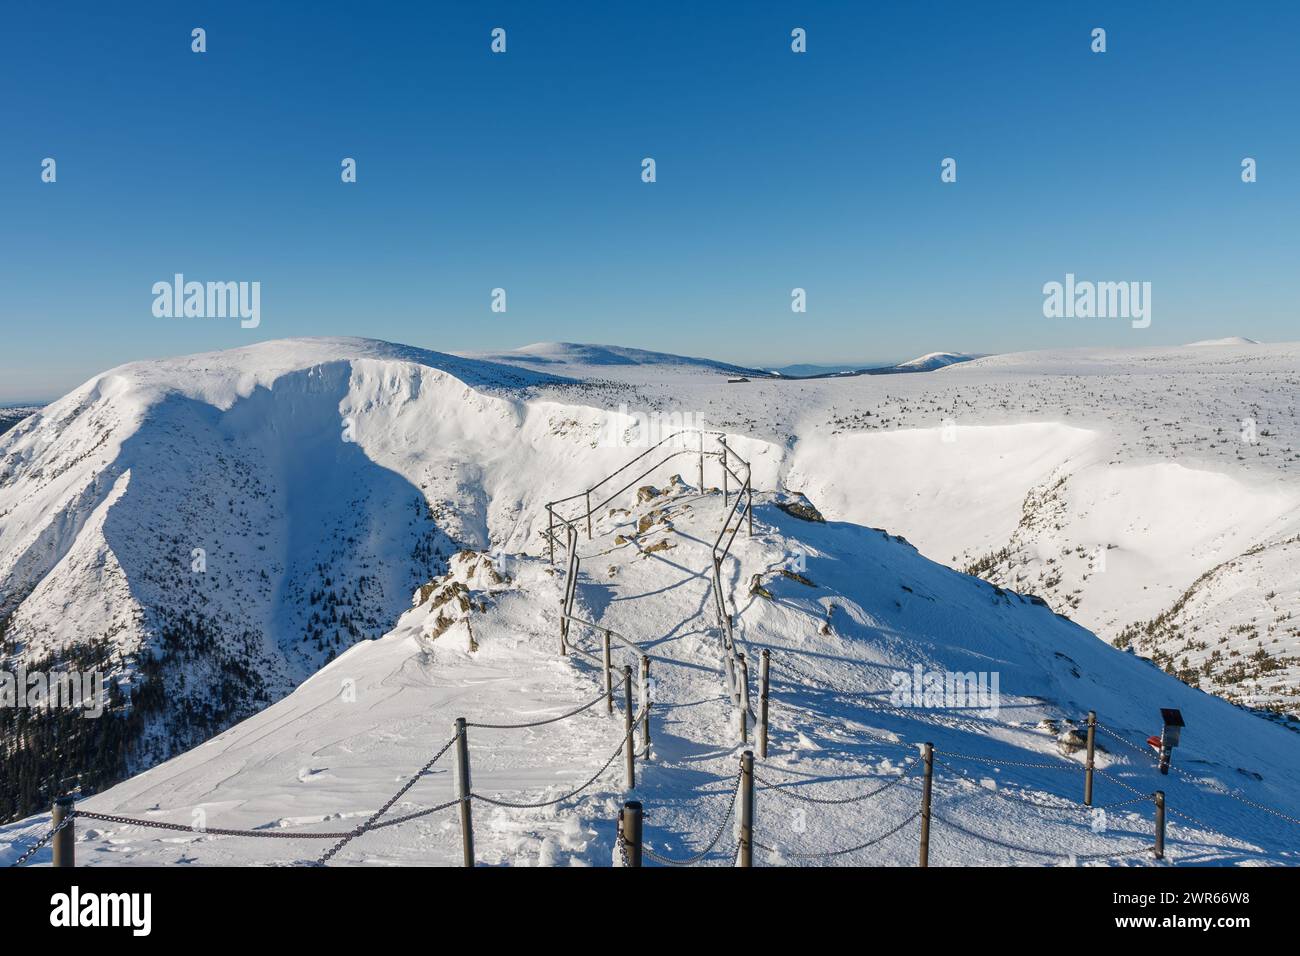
[924, 363]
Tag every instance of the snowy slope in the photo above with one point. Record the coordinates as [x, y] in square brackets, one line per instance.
[324, 478]
[212, 529]
[933, 360]
[571, 358]
[865, 607]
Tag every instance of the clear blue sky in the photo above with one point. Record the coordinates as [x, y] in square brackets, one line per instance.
[775, 170]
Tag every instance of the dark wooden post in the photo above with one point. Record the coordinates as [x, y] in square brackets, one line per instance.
[1160, 825]
[927, 754]
[1087, 768]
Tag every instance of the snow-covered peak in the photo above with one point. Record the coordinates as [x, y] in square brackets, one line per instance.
[568, 356]
[1230, 340]
[933, 360]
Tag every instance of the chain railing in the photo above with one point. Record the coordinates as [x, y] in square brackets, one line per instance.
[737, 514]
[735, 669]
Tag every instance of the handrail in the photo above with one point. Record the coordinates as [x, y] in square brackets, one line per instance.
[633, 645]
[627, 465]
[742, 508]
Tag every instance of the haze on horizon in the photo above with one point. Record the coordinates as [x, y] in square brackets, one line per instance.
[521, 171]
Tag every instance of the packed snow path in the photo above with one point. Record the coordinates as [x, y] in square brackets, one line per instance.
[840, 785]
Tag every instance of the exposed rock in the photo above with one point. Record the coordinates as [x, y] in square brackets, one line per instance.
[648, 521]
[647, 493]
[798, 506]
[796, 576]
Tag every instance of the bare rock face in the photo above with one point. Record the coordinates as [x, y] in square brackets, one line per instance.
[647, 493]
[464, 590]
[648, 521]
[797, 505]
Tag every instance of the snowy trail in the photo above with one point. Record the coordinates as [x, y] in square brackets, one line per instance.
[319, 761]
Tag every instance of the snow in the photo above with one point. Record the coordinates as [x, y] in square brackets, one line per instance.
[1028, 466]
[331, 752]
[933, 360]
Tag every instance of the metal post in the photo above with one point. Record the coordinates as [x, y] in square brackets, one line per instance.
[701, 462]
[65, 841]
[762, 704]
[588, 515]
[609, 678]
[744, 698]
[723, 442]
[462, 791]
[1087, 767]
[645, 703]
[927, 754]
[550, 532]
[747, 808]
[750, 489]
[630, 755]
[1160, 824]
[630, 830]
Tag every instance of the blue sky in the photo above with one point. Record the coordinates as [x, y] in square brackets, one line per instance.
[522, 171]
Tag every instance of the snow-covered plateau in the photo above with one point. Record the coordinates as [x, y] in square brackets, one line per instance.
[301, 561]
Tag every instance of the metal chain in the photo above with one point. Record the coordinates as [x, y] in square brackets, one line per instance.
[1075, 808]
[1250, 803]
[622, 845]
[1117, 781]
[1192, 779]
[414, 816]
[32, 850]
[329, 854]
[1191, 819]
[983, 838]
[1011, 763]
[781, 789]
[567, 796]
[783, 665]
[1140, 798]
[833, 853]
[205, 831]
[692, 860]
[542, 723]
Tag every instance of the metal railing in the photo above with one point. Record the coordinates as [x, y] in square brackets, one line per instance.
[739, 513]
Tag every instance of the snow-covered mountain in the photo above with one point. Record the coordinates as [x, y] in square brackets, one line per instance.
[214, 529]
[933, 360]
[569, 357]
[849, 614]
[11, 415]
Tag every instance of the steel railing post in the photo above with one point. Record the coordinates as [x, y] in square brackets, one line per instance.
[463, 792]
[64, 843]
